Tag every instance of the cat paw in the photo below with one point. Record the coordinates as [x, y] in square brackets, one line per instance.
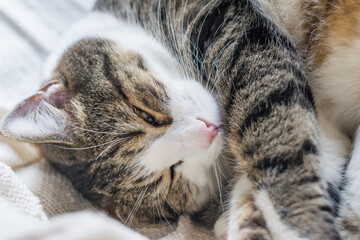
[246, 233]
[221, 227]
[250, 234]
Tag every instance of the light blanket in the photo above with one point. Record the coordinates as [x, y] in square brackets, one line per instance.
[36, 201]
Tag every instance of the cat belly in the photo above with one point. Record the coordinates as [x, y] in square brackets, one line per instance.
[337, 86]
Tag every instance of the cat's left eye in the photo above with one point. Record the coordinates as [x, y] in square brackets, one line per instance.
[147, 117]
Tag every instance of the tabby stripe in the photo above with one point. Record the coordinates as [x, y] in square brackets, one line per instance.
[323, 208]
[258, 35]
[273, 31]
[255, 222]
[304, 198]
[149, 185]
[243, 69]
[106, 174]
[335, 196]
[209, 25]
[132, 134]
[326, 208]
[283, 163]
[115, 148]
[286, 96]
[127, 153]
[110, 153]
[83, 181]
[309, 147]
[309, 96]
[155, 183]
[143, 178]
[307, 180]
[110, 76]
[240, 83]
[303, 84]
[170, 209]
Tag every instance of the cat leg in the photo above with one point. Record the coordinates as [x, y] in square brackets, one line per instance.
[352, 177]
[282, 162]
[349, 213]
[221, 226]
[246, 221]
[335, 149]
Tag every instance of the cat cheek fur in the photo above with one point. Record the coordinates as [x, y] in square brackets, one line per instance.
[187, 139]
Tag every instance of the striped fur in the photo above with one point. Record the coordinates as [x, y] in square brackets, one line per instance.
[240, 54]
[328, 34]
[250, 67]
[97, 103]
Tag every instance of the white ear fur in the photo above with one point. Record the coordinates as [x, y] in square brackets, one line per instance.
[41, 117]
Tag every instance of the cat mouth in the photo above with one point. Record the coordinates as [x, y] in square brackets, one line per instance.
[173, 168]
[176, 164]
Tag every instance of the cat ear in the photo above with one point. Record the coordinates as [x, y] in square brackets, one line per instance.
[42, 117]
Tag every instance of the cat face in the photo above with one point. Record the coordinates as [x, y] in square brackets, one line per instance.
[139, 144]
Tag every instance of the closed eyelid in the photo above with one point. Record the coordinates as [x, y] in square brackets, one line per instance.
[160, 117]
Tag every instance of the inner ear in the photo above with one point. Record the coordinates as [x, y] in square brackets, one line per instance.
[41, 118]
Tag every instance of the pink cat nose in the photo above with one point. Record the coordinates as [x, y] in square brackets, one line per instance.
[212, 129]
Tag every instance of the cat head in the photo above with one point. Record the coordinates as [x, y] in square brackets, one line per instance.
[138, 144]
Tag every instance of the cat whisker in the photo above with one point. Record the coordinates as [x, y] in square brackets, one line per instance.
[93, 131]
[85, 148]
[153, 214]
[110, 146]
[218, 184]
[165, 218]
[202, 23]
[214, 66]
[214, 63]
[220, 169]
[172, 208]
[113, 127]
[196, 57]
[134, 210]
[157, 209]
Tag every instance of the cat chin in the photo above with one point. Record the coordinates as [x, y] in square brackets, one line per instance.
[196, 163]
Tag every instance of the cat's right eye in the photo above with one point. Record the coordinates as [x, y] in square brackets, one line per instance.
[148, 117]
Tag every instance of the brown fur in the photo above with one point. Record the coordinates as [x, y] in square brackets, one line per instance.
[248, 64]
[271, 124]
[329, 21]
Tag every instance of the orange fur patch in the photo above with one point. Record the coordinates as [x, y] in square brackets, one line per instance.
[344, 23]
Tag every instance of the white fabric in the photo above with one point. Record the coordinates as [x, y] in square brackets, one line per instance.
[36, 201]
[80, 225]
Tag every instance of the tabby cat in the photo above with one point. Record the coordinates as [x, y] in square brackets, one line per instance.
[123, 116]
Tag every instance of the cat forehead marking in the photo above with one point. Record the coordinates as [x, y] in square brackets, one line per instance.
[98, 64]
